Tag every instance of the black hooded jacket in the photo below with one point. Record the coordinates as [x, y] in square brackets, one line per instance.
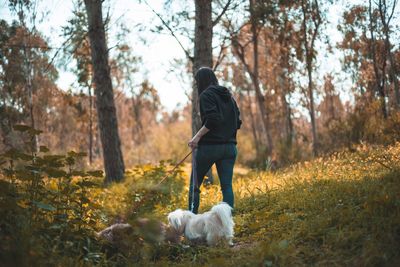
[220, 114]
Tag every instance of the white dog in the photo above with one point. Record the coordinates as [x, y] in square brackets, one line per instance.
[209, 227]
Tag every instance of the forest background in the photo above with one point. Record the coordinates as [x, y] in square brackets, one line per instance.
[108, 86]
[310, 78]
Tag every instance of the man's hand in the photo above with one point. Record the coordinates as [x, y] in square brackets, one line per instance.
[194, 142]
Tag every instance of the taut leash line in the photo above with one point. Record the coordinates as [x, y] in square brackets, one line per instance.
[194, 178]
[145, 197]
[173, 169]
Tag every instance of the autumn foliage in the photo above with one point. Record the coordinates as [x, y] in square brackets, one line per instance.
[316, 179]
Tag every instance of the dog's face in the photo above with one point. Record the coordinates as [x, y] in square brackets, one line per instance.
[178, 219]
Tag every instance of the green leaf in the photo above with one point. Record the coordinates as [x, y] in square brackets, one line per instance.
[33, 132]
[56, 227]
[44, 206]
[70, 160]
[25, 174]
[33, 168]
[11, 154]
[97, 173]
[21, 128]
[87, 184]
[76, 155]
[79, 173]
[25, 157]
[283, 244]
[44, 149]
[8, 172]
[84, 200]
[56, 173]
[268, 263]
[53, 161]
[49, 158]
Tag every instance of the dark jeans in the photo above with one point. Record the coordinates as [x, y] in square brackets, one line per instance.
[224, 156]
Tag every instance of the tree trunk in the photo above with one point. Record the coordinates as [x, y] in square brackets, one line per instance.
[202, 52]
[253, 125]
[256, 81]
[286, 113]
[106, 112]
[311, 108]
[203, 33]
[393, 68]
[90, 125]
[285, 84]
[393, 71]
[309, 51]
[28, 69]
[379, 86]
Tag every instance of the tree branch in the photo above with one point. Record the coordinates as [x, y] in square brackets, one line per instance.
[239, 50]
[221, 54]
[391, 13]
[59, 49]
[171, 31]
[215, 22]
[317, 23]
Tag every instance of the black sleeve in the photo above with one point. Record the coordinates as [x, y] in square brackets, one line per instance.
[239, 120]
[208, 106]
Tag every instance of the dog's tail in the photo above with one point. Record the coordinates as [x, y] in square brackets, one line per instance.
[224, 212]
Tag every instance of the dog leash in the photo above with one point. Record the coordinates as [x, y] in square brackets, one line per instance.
[194, 178]
[145, 197]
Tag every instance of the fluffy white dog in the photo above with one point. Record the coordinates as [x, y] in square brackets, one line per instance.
[210, 227]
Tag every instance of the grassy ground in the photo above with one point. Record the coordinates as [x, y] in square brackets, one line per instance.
[342, 210]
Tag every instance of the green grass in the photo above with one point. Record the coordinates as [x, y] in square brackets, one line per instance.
[341, 210]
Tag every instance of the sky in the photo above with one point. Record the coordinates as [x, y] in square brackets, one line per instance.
[160, 50]
[157, 54]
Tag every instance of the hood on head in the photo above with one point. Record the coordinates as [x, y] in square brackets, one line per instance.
[222, 91]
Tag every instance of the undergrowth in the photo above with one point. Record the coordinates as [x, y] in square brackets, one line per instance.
[341, 210]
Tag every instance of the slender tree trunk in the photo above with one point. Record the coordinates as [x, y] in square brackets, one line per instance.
[385, 18]
[309, 51]
[253, 124]
[90, 125]
[106, 112]
[29, 88]
[28, 73]
[290, 126]
[379, 85]
[393, 71]
[285, 87]
[256, 82]
[137, 108]
[332, 108]
[202, 52]
[286, 114]
[312, 109]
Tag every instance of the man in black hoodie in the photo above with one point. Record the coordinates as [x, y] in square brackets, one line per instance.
[215, 142]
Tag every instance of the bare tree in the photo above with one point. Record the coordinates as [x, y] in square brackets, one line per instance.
[311, 15]
[106, 112]
[379, 75]
[22, 8]
[253, 123]
[253, 71]
[203, 51]
[386, 14]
